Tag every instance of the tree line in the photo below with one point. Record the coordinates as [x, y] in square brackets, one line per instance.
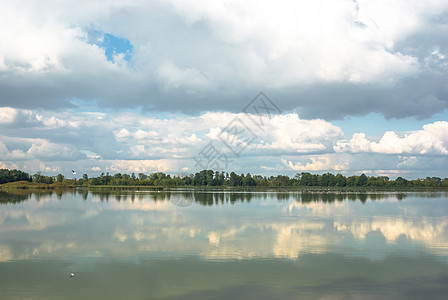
[216, 179]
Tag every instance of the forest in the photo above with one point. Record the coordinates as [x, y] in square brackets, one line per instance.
[216, 179]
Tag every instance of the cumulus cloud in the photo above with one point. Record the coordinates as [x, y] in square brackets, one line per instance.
[174, 77]
[284, 34]
[112, 142]
[44, 149]
[281, 133]
[324, 58]
[7, 115]
[40, 149]
[16, 154]
[320, 163]
[290, 133]
[433, 139]
[137, 166]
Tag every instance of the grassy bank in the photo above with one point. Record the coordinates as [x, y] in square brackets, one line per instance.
[302, 189]
[25, 185]
[320, 189]
[21, 185]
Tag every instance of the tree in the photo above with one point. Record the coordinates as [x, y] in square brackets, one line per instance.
[218, 179]
[59, 178]
[306, 179]
[340, 180]
[400, 181]
[352, 180]
[209, 174]
[200, 178]
[188, 180]
[13, 175]
[362, 180]
[248, 180]
[142, 176]
[327, 179]
[39, 178]
[234, 179]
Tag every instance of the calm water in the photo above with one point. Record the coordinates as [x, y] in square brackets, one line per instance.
[181, 245]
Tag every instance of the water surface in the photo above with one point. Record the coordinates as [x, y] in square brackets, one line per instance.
[223, 245]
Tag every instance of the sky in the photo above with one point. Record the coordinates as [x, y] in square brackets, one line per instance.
[265, 87]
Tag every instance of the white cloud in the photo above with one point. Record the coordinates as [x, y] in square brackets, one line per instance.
[320, 163]
[222, 50]
[8, 165]
[325, 32]
[16, 154]
[141, 134]
[137, 166]
[433, 139]
[45, 168]
[123, 133]
[38, 149]
[174, 77]
[23, 118]
[45, 149]
[285, 144]
[7, 115]
[182, 135]
[290, 133]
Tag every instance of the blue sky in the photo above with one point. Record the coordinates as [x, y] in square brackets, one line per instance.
[112, 45]
[147, 86]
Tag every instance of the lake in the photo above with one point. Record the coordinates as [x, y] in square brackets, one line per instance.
[223, 245]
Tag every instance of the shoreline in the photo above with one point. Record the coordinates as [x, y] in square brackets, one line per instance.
[21, 185]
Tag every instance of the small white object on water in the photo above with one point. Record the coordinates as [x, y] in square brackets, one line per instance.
[72, 275]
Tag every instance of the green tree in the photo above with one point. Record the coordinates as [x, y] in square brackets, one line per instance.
[234, 179]
[362, 180]
[59, 178]
[248, 180]
[400, 181]
[142, 176]
[306, 179]
[340, 180]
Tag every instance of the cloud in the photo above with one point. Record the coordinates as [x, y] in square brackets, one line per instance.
[137, 166]
[185, 136]
[290, 133]
[174, 77]
[325, 59]
[7, 115]
[38, 149]
[433, 139]
[44, 149]
[95, 142]
[16, 154]
[320, 163]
